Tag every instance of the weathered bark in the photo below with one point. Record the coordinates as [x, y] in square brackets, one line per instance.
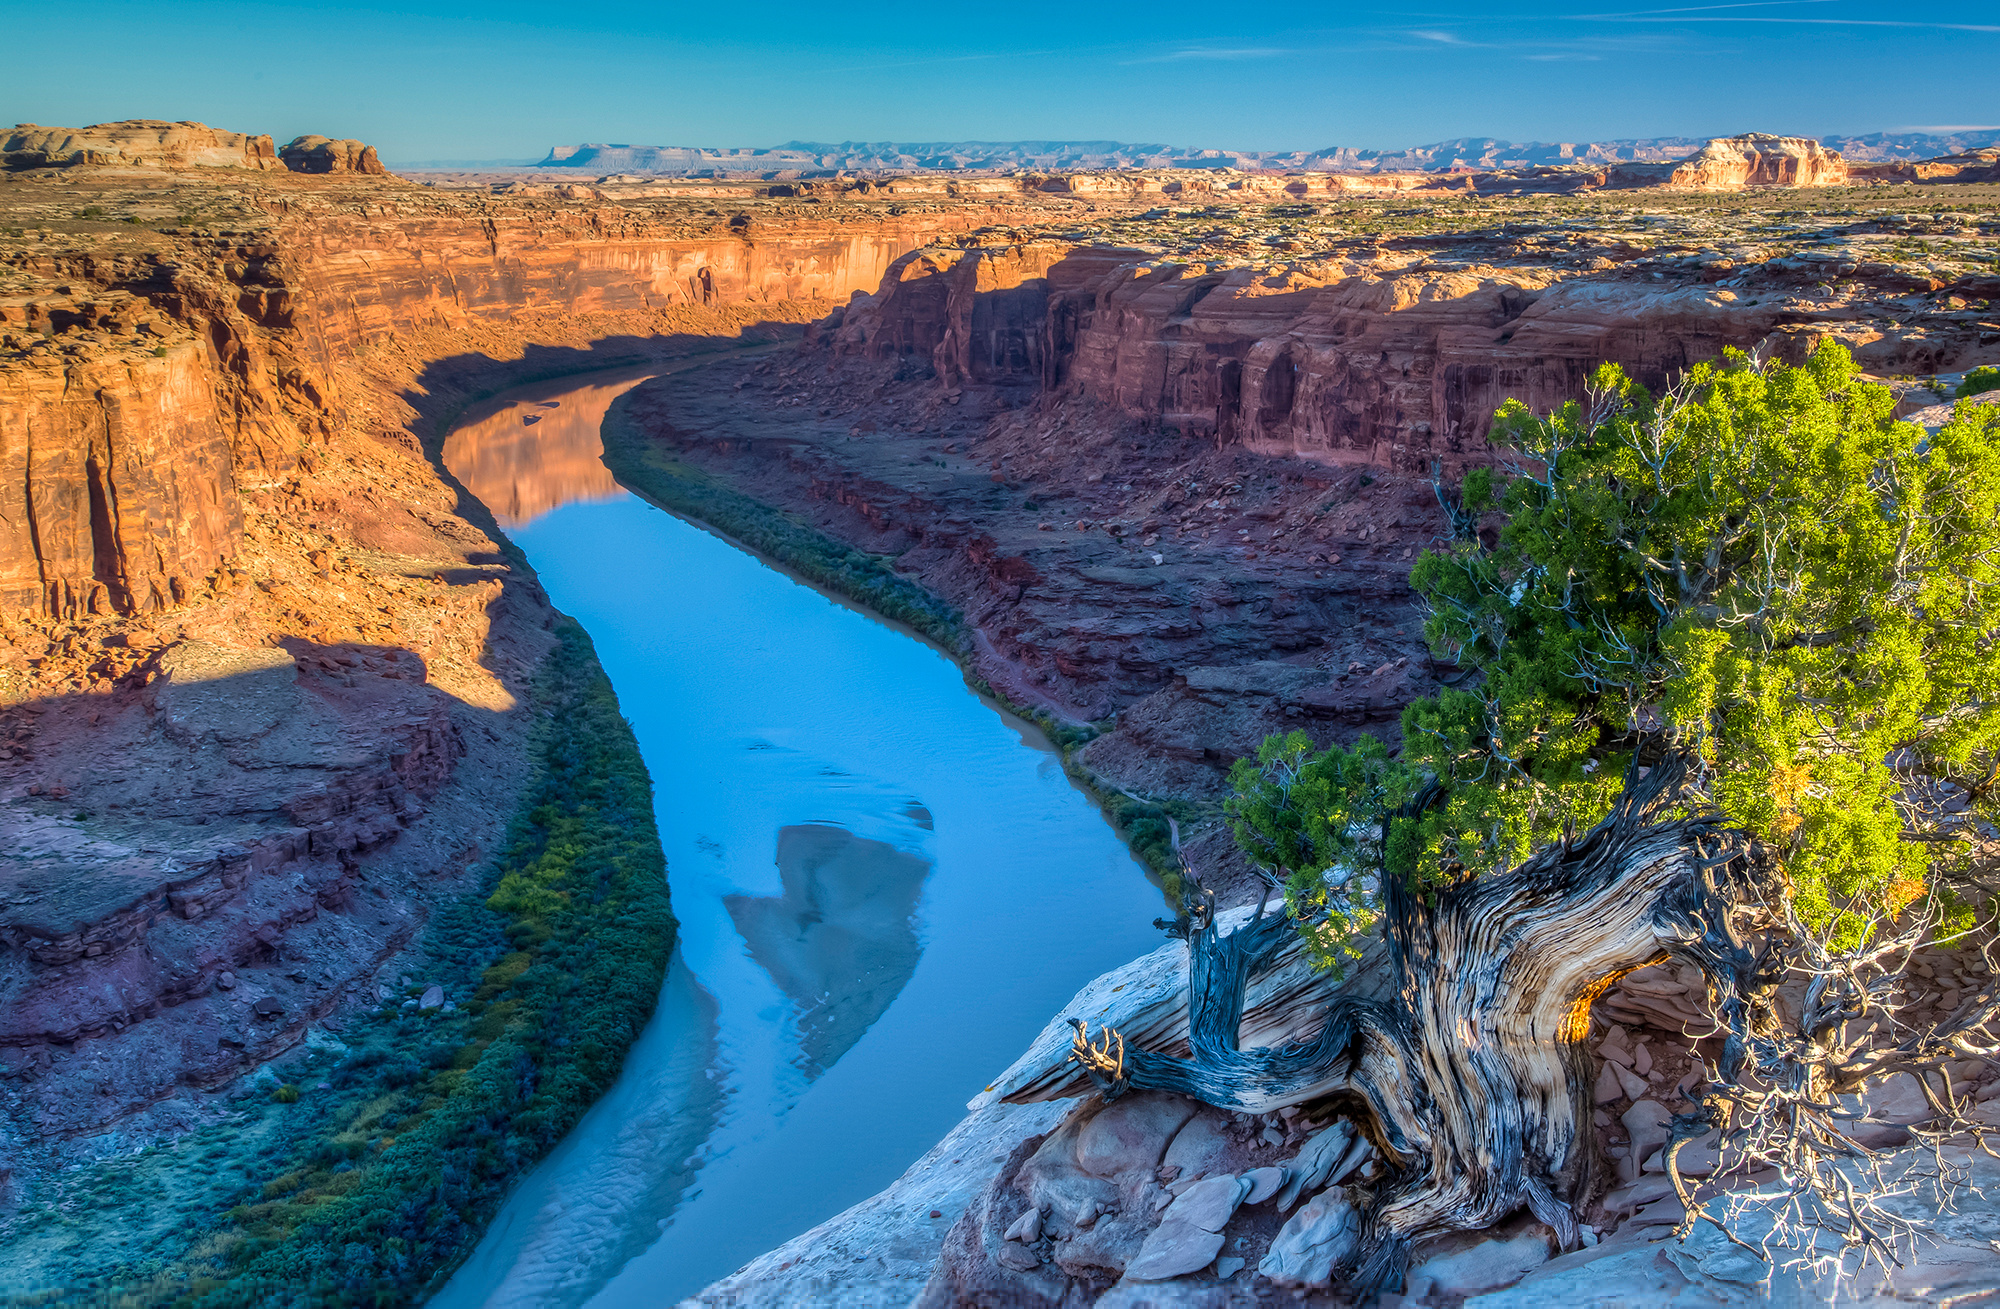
[1471, 1081]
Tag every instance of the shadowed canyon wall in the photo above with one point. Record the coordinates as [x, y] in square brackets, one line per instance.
[163, 381]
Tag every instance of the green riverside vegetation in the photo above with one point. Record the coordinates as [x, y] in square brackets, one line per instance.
[869, 580]
[396, 1163]
[872, 582]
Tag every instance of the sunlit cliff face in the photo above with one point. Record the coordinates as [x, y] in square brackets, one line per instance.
[531, 456]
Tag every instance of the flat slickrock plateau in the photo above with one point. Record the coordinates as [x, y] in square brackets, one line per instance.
[1164, 441]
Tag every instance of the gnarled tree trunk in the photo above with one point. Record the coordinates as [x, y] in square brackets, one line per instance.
[1471, 1081]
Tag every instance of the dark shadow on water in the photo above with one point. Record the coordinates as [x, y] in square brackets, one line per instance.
[841, 941]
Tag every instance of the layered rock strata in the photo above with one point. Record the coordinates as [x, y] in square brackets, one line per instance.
[136, 143]
[136, 388]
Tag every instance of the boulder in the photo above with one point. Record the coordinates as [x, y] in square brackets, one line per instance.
[1264, 1183]
[1208, 1204]
[1316, 1160]
[1896, 1099]
[1176, 1247]
[1204, 1147]
[1700, 1157]
[1027, 1229]
[1482, 1267]
[1131, 1133]
[1646, 1130]
[1319, 1236]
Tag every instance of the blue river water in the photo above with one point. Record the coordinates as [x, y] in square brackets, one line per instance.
[886, 887]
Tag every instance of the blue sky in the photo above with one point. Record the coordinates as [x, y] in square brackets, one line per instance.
[424, 79]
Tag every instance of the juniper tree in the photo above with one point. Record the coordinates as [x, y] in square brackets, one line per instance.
[1728, 693]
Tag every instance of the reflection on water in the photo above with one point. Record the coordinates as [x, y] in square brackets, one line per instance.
[938, 890]
[841, 940]
[539, 448]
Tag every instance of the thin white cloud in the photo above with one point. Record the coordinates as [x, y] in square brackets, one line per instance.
[1697, 9]
[1796, 22]
[1442, 38]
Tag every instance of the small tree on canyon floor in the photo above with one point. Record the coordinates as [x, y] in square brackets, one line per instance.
[1730, 695]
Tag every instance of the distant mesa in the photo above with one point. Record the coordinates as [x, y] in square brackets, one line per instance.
[318, 154]
[154, 143]
[136, 143]
[807, 160]
[1965, 167]
[1728, 163]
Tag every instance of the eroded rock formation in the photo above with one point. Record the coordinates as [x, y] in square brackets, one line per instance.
[260, 679]
[137, 388]
[1731, 163]
[136, 143]
[317, 154]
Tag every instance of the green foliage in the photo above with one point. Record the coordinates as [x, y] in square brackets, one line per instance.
[1317, 821]
[437, 1114]
[1979, 381]
[286, 1094]
[1761, 569]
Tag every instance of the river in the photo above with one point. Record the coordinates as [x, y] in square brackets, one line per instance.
[886, 886]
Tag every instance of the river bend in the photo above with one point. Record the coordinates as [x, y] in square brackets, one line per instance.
[886, 886]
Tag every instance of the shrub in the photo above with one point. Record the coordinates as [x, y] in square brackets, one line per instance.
[1980, 380]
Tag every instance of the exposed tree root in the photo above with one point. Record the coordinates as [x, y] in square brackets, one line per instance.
[1472, 1081]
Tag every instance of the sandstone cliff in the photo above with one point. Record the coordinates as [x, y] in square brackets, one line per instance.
[137, 387]
[136, 143]
[1971, 166]
[1378, 358]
